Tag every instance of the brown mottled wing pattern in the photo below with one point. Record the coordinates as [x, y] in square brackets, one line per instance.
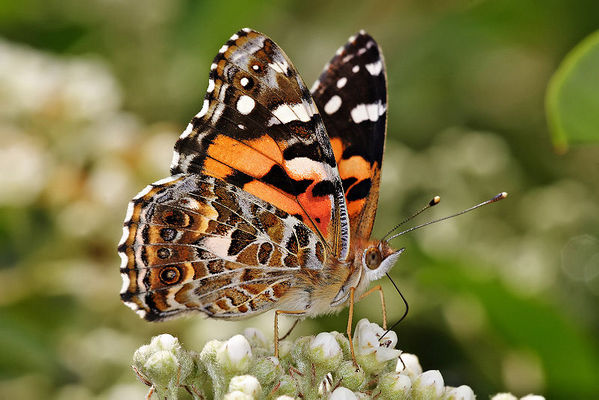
[351, 93]
[260, 131]
[196, 243]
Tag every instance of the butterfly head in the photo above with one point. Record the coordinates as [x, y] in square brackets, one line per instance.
[378, 258]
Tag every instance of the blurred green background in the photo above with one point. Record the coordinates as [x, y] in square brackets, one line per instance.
[93, 95]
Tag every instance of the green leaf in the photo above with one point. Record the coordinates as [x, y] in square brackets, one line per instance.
[572, 101]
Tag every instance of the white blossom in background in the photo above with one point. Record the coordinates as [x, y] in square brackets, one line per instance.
[314, 367]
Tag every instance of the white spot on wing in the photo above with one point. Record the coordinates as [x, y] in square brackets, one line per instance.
[341, 82]
[125, 235]
[126, 282]
[204, 109]
[124, 259]
[332, 105]
[245, 104]
[187, 131]
[176, 158]
[304, 166]
[223, 49]
[291, 112]
[141, 313]
[234, 37]
[375, 68]
[246, 30]
[365, 112]
[166, 180]
[210, 86]
[361, 51]
[129, 212]
[281, 68]
[244, 81]
[143, 192]
[355, 69]
[133, 306]
[213, 66]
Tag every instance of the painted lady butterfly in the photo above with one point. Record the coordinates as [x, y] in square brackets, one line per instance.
[266, 209]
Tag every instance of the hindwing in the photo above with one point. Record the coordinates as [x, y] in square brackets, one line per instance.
[197, 243]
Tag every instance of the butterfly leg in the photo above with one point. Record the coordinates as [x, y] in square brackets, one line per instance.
[277, 312]
[349, 324]
[352, 290]
[379, 289]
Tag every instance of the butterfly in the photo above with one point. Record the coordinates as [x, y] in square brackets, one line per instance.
[272, 195]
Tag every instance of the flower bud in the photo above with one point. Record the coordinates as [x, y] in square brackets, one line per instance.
[247, 384]
[351, 377]
[394, 385]
[371, 348]
[163, 362]
[267, 370]
[342, 393]
[532, 397]
[237, 395]
[428, 385]
[235, 354]
[286, 386]
[408, 364]
[460, 393]
[325, 351]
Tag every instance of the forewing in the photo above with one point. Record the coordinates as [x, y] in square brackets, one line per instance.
[351, 93]
[197, 243]
[260, 131]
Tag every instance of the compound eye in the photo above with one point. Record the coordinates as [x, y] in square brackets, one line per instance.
[372, 258]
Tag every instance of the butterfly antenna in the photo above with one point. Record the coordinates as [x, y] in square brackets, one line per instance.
[405, 313]
[435, 200]
[500, 196]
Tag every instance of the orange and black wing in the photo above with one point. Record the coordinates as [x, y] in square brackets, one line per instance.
[260, 130]
[351, 94]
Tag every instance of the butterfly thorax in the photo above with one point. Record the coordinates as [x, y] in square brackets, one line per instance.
[328, 290]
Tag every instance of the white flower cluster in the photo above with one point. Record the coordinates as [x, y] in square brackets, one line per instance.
[319, 367]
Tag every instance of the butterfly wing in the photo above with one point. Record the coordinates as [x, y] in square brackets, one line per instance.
[352, 95]
[260, 131]
[197, 243]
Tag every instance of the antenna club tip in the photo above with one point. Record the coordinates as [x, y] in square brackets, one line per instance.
[501, 195]
[434, 201]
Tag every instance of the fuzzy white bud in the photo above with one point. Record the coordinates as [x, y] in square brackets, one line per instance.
[342, 393]
[460, 393]
[247, 384]
[429, 383]
[235, 353]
